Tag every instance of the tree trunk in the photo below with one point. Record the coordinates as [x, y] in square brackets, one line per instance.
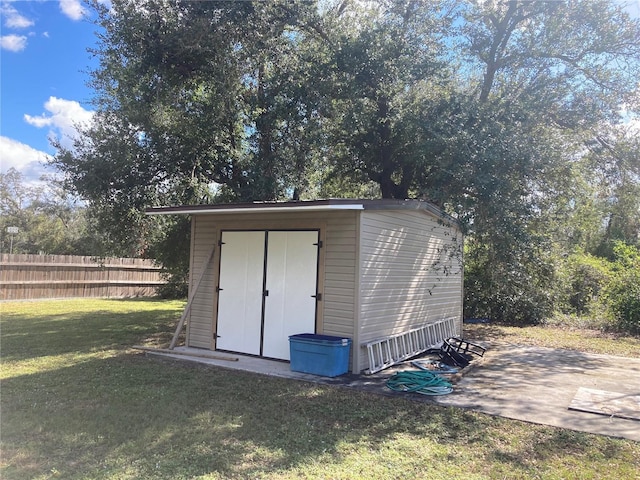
[386, 161]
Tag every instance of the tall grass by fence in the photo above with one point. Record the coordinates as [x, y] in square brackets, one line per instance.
[59, 276]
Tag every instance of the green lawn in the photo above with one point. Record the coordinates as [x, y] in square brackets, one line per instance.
[585, 340]
[78, 403]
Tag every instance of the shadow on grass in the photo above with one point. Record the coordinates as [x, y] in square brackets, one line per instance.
[145, 417]
[563, 453]
[484, 332]
[132, 416]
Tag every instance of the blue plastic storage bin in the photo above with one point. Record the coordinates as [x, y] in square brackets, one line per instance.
[323, 355]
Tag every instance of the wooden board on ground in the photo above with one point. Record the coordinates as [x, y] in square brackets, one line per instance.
[611, 404]
[186, 354]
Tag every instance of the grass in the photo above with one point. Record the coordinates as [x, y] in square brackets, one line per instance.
[570, 338]
[78, 403]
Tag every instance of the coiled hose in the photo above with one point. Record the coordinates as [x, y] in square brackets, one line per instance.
[423, 382]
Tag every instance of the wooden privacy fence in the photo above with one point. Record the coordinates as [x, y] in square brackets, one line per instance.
[59, 276]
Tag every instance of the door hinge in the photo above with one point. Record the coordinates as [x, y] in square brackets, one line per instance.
[319, 244]
[220, 243]
[317, 296]
[218, 289]
[216, 336]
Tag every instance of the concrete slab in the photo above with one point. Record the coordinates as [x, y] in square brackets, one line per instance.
[537, 385]
[532, 384]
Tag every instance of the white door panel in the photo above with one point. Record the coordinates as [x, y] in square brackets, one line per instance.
[240, 298]
[291, 277]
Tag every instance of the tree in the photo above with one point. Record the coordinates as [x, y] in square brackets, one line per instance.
[191, 107]
[13, 200]
[383, 72]
[548, 76]
[615, 161]
[48, 220]
[479, 107]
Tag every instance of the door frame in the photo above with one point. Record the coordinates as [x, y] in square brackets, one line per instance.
[318, 281]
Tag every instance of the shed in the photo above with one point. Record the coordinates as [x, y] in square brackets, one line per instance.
[387, 274]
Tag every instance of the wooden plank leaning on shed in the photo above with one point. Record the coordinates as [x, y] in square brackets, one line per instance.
[192, 295]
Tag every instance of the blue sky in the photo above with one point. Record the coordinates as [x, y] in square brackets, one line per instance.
[43, 66]
[43, 73]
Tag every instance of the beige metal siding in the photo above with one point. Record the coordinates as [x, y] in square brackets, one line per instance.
[336, 271]
[204, 237]
[340, 272]
[411, 273]
[387, 271]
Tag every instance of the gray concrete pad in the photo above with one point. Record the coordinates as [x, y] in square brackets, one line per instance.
[532, 384]
[537, 385]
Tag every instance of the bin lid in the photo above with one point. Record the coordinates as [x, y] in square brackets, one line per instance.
[314, 337]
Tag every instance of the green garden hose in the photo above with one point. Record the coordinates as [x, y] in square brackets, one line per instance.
[423, 382]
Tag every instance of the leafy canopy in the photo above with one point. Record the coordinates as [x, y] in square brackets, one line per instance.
[485, 108]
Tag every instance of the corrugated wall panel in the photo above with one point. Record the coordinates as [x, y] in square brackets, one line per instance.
[411, 269]
[200, 324]
[338, 269]
[340, 272]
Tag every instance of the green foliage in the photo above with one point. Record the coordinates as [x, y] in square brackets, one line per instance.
[600, 292]
[171, 250]
[587, 275]
[624, 291]
[505, 114]
[540, 96]
[624, 297]
[613, 156]
[49, 221]
[508, 285]
[387, 81]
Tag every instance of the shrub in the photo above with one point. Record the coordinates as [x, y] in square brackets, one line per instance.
[511, 288]
[586, 277]
[624, 298]
[177, 286]
[624, 291]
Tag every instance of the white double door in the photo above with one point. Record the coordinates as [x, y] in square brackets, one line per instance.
[267, 290]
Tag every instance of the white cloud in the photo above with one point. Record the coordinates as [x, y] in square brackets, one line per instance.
[63, 119]
[13, 18]
[73, 9]
[633, 126]
[13, 43]
[27, 160]
[632, 7]
[630, 118]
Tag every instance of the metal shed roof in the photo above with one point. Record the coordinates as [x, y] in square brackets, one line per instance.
[302, 205]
